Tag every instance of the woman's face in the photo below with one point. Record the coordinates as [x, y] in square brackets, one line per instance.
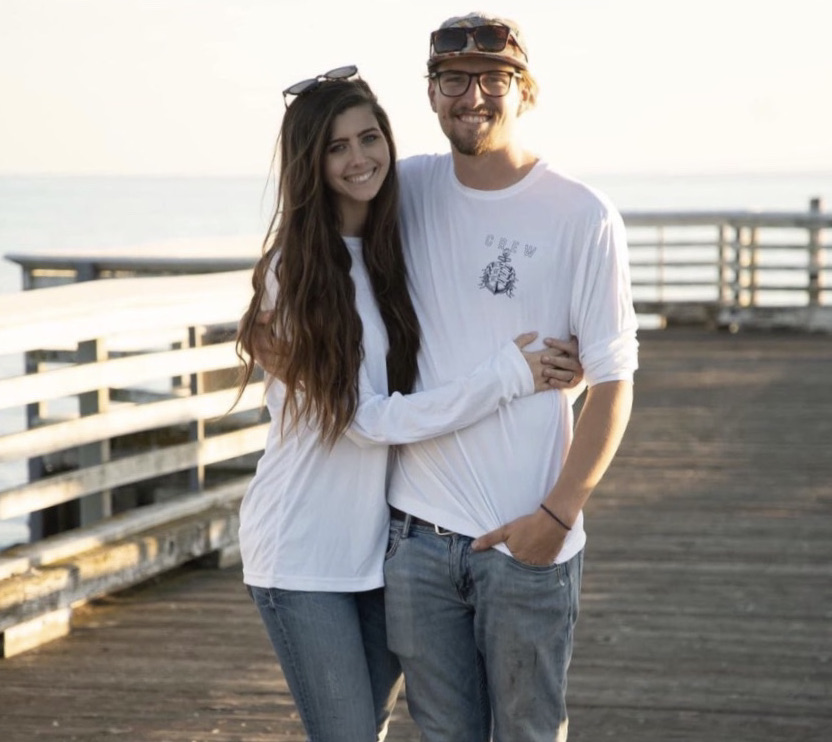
[357, 158]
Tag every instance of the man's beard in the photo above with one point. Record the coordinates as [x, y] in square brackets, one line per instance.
[470, 145]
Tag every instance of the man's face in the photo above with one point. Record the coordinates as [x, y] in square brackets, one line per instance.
[477, 123]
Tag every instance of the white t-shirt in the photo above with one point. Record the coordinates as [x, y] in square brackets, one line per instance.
[546, 254]
[315, 518]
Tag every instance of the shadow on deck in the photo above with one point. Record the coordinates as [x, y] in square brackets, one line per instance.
[707, 599]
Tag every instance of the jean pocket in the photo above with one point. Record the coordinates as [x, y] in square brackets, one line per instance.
[540, 569]
[260, 596]
[393, 539]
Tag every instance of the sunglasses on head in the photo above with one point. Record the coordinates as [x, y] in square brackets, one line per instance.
[306, 86]
[491, 38]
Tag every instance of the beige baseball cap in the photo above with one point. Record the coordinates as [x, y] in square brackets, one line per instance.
[478, 35]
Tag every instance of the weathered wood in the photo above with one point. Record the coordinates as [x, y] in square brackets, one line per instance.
[205, 620]
[117, 308]
[126, 419]
[19, 559]
[706, 608]
[203, 255]
[114, 566]
[802, 319]
[734, 218]
[146, 310]
[731, 263]
[43, 628]
[130, 469]
[115, 372]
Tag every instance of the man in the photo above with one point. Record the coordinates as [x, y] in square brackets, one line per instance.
[484, 564]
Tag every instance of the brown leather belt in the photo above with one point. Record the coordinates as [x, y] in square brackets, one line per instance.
[397, 514]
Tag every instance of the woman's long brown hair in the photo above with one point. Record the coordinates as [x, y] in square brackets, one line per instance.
[317, 333]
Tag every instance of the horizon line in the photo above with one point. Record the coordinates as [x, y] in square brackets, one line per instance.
[822, 172]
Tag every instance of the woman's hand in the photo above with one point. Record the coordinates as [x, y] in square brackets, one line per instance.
[554, 367]
[563, 365]
[263, 345]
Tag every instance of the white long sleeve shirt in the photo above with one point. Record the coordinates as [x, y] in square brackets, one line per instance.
[546, 254]
[316, 518]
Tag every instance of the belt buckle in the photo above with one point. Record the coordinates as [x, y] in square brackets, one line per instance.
[441, 531]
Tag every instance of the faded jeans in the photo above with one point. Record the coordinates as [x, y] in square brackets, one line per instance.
[332, 648]
[485, 641]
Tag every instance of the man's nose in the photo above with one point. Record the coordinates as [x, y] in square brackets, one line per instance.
[474, 95]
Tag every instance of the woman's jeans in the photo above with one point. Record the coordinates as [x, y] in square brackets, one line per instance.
[332, 648]
[485, 640]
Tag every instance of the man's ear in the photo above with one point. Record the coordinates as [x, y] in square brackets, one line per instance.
[527, 98]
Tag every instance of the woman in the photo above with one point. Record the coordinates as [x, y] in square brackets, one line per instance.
[338, 336]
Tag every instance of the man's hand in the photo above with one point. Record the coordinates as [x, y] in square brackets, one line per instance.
[533, 539]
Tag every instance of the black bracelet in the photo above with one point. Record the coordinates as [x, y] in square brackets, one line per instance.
[557, 520]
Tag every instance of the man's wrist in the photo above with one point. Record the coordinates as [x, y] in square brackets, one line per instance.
[554, 516]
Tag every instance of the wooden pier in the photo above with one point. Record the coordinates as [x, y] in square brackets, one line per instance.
[707, 600]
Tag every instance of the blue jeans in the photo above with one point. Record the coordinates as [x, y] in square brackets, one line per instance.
[484, 640]
[332, 648]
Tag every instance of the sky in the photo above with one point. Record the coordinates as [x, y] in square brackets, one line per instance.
[192, 87]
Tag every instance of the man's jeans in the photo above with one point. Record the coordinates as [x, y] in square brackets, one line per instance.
[482, 637]
[333, 651]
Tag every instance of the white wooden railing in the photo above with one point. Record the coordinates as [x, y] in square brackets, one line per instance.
[722, 268]
[733, 269]
[132, 464]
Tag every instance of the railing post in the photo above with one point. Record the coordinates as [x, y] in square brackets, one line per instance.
[34, 412]
[86, 271]
[816, 257]
[747, 266]
[752, 266]
[196, 429]
[94, 507]
[727, 267]
[739, 263]
[91, 508]
[39, 523]
[661, 266]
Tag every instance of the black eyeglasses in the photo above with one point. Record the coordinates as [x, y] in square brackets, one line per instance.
[455, 83]
[306, 86]
[492, 38]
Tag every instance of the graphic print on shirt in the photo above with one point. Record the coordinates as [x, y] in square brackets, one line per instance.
[499, 276]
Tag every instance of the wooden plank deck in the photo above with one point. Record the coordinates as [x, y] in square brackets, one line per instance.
[707, 601]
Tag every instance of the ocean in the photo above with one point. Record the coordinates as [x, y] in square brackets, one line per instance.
[56, 214]
[43, 213]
